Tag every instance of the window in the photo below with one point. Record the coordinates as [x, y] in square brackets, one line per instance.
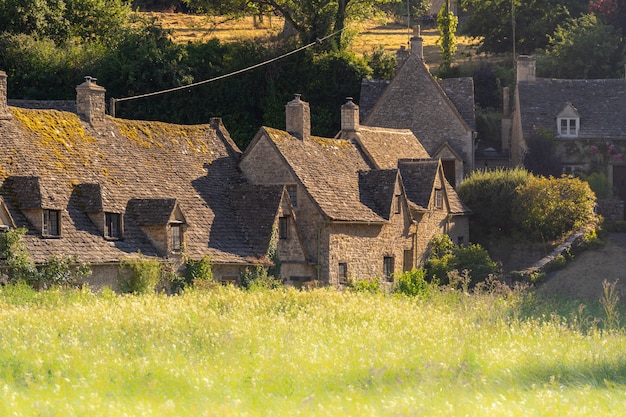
[177, 236]
[438, 198]
[343, 272]
[51, 223]
[398, 204]
[292, 190]
[113, 225]
[568, 127]
[283, 227]
[388, 267]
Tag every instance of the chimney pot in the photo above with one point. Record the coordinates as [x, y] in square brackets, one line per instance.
[417, 43]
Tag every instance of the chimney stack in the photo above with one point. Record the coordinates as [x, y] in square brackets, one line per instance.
[90, 101]
[417, 43]
[5, 114]
[526, 68]
[349, 116]
[298, 118]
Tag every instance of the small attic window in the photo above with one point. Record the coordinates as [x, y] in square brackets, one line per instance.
[438, 198]
[113, 225]
[177, 236]
[51, 226]
[568, 127]
[292, 190]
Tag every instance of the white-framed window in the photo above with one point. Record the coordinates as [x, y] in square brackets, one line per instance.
[568, 127]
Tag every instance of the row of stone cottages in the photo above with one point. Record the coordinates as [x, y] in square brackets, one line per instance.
[362, 204]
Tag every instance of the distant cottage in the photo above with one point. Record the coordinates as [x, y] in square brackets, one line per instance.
[362, 204]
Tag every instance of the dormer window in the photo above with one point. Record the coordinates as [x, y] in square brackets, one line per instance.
[113, 225]
[568, 127]
[439, 198]
[177, 236]
[51, 226]
[292, 190]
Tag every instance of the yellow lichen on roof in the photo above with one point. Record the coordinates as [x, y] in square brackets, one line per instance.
[149, 134]
[60, 134]
[332, 143]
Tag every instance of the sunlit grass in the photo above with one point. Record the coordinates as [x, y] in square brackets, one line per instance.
[284, 353]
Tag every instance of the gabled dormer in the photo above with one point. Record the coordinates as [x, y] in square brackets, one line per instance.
[108, 219]
[38, 203]
[568, 122]
[163, 222]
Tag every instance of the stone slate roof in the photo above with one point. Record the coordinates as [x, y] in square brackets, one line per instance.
[60, 105]
[371, 90]
[257, 207]
[77, 165]
[600, 103]
[385, 146]
[151, 211]
[328, 170]
[414, 100]
[418, 179]
[376, 188]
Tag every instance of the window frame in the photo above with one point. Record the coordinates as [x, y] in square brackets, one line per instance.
[388, 267]
[51, 223]
[283, 227]
[112, 221]
[292, 191]
[438, 198]
[177, 239]
[568, 127]
[342, 272]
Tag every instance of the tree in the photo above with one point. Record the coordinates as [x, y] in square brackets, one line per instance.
[612, 12]
[602, 43]
[447, 23]
[492, 22]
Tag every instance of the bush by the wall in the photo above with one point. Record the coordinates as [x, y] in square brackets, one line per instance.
[139, 275]
[414, 284]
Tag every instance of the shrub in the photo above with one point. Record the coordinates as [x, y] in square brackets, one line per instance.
[19, 264]
[552, 207]
[196, 271]
[259, 279]
[413, 283]
[437, 268]
[139, 275]
[372, 285]
[599, 184]
[62, 271]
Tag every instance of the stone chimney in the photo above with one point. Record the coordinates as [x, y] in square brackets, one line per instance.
[90, 102]
[298, 118]
[525, 68]
[417, 43]
[349, 116]
[5, 114]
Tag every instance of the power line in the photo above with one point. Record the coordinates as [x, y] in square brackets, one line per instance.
[114, 101]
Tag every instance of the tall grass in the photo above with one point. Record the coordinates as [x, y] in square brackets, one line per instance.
[284, 352]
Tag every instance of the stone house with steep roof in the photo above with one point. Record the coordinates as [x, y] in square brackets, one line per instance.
[103, 189]
[366, 203]
[585, 119]
[440, 113]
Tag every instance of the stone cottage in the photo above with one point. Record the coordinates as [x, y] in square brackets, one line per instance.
[85, 184]
[365, 203]
[585, 119]
[440, 113]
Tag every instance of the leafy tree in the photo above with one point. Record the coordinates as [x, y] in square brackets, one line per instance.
[540, 157]
[552, 207]
[447, 23]
[602, 43]
[612, 12]
[492, 22]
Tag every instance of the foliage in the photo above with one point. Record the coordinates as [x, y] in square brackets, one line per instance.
[609, 300]
[63, 20]
[447, 23]
[196, 271]
[257, 278]
[372, 285]
[541, 156]
[489, 128]
[445, 257]
[552, 207]
[65, 271]
[139, 275]
[603, 45]
[414, 284]
[382, 64]
[490, 196]
[20, 266]
[612, 12]
[491, 22]
[599, 184]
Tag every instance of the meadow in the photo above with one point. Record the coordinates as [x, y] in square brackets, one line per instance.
[322, 352]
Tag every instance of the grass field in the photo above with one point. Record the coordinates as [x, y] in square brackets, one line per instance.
[284, 353]
[374, 33]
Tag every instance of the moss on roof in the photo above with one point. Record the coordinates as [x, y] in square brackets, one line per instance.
[149, 134]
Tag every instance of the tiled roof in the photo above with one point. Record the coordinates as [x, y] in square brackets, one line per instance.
[329, 171]
[257, 207]
[386, 146]
[371, 90]
[600, 103]
[122, 160]
[377, 190]
[418, 179]
[151, 211]
[461, 92]
[414, 100]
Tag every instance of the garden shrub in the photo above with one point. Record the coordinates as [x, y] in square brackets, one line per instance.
[196, 271]
[65, 271]
[139, 275]
[372, 285]
[414, 284]
[19, 264]
[259, 279]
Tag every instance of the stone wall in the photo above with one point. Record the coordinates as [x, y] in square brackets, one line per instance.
[612, 210]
